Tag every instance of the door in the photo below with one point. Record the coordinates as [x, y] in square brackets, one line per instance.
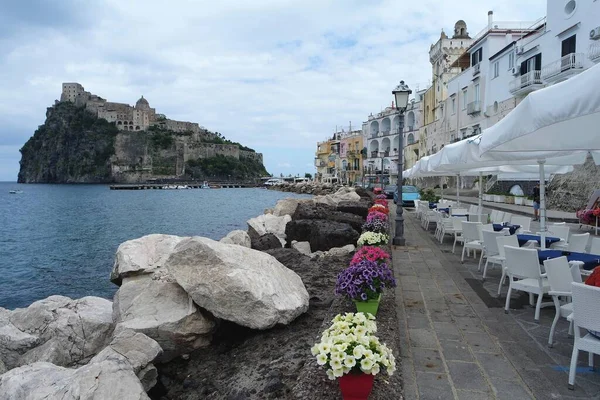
[568, 48]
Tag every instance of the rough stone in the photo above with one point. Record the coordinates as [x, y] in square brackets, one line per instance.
[268, 223]
[571, 191]
[340, 251]
[322, 235]
[162, 310]
[288, 206]
[239, 237]
[3, 368]
[327, 212]
[68, 331]
[302, 247]
[266, 242]
[245, 286]
[360, 208]
[109, 379]
[142, 255]
[13, 342]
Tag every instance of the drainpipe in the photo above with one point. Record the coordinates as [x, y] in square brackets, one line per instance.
[490, 19]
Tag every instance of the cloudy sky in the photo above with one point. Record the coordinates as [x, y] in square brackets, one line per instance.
[275, 75]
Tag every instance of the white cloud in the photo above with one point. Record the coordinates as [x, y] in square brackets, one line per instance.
[275, 75]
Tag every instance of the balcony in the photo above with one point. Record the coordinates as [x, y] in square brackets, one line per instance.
[374, 154]
[375, 134]
[320, 163]
[476, 69]
[563, 68]
[474, 107]
[526, 83]
[594, 52]
[384, 153]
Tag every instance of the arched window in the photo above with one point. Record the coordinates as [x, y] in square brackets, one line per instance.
[137, 128]
[119, 123]
[411, 138]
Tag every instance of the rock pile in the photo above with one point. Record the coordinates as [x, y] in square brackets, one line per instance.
[175, 293]
[316, 188]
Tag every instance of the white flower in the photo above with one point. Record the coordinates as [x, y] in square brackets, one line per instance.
[350, 361]
[375, 369]
[338, 372]
[358, 351]
[324, 348]
[366, 365]
[315, 350]
[321, 359]
[330, 375]
[335, 364]
[337, 356]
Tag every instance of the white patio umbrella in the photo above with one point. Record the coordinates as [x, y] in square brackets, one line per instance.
[560, 120]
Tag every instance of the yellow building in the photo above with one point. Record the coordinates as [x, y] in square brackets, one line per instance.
[321, 159]
[351, 157]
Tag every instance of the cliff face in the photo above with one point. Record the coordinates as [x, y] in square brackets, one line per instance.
[571, 191]
[73, 146]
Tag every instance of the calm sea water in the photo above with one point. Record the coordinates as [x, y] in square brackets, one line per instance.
[61, 239]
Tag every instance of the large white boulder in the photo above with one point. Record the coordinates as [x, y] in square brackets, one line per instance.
[327, 199]
[158, 307]
[142, 255]
[67, 331]
[239, 237]
[138, 350]
[13, 341]
[108, 379]
[288, 206]
[268, 223]
[248, 287]
[302, 247]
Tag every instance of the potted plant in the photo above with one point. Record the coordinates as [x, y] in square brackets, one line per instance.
[351, 352]
[509, 199]
[380, 208]
[370, 253]
[363, 282]
[377, 226]
[529, 201]
[373, 238]
[373, 215]
[519, 200]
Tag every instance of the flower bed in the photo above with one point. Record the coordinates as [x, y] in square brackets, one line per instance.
[588, 216]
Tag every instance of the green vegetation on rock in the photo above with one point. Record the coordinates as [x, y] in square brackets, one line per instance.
[225, 167]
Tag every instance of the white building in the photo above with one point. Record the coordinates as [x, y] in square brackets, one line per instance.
[382, 140]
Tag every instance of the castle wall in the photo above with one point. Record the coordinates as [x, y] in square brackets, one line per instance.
[251, 154]
[196, 150]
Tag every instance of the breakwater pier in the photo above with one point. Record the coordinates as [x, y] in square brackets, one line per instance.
[180, 186]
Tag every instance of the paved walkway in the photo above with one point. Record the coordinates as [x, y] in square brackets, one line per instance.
[553, 215]
[457, 342]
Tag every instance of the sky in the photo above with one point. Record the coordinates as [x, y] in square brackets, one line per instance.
[274, 75]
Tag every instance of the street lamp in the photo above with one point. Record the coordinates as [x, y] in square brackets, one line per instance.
[401, 93]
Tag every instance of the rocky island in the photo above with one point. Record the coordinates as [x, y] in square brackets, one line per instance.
[87, 139]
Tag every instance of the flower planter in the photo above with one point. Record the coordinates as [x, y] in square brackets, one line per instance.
[509, 200]
[487, 197]
[519, 200]
[529, 202]
[356, 386]
[369, 306]
[499, 198]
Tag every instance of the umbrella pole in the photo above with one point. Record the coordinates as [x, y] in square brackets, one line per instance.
[542, 204]
[457, 190]
[480, 196]
[442, 186]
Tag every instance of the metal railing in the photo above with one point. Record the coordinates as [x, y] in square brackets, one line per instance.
[476, 69]
[374, 154]
[474, 107]
[491, 182]
[525, 80]
[566, 63]
[594, 52]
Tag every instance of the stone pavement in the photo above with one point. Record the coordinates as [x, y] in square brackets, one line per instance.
[457, 342]
[553, 215]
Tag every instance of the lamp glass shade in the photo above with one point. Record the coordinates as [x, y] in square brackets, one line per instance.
[401, 98]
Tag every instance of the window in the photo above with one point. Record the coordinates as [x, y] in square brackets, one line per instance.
[511, 60]
[465, 99]
[463, 133]
[531, 64]
[496, 69]
[453, 105]
[477, 94]
[477, 57]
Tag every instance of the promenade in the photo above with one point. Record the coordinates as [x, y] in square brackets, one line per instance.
[457, 342]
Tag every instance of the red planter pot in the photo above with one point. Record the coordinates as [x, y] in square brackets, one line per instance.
[356, 386]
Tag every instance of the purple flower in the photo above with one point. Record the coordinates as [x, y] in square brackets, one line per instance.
[364, 280]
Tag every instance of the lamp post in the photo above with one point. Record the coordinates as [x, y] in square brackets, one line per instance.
[401, 93]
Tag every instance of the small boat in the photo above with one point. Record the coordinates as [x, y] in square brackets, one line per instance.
[205, 185]
[182, 186]
[15, 191]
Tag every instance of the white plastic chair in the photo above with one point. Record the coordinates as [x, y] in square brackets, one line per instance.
[585, 315]
[502, 241]
[507, 217]
[525, 223]
[524, 274]
[472, 238]
[559, 231]
[560, 279]
[493, 215]
[595, 246]
[447, 228]
[458, 211]
[490, 246]
[578, 243]
[458, 237]
[498, 218]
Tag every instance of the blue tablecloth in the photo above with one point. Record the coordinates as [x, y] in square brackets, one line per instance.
[525, 238]
[512, 228]
[432, 206]
[446, 210]
[590, 261]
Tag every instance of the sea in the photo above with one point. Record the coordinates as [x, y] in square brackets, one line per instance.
[62, 239]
